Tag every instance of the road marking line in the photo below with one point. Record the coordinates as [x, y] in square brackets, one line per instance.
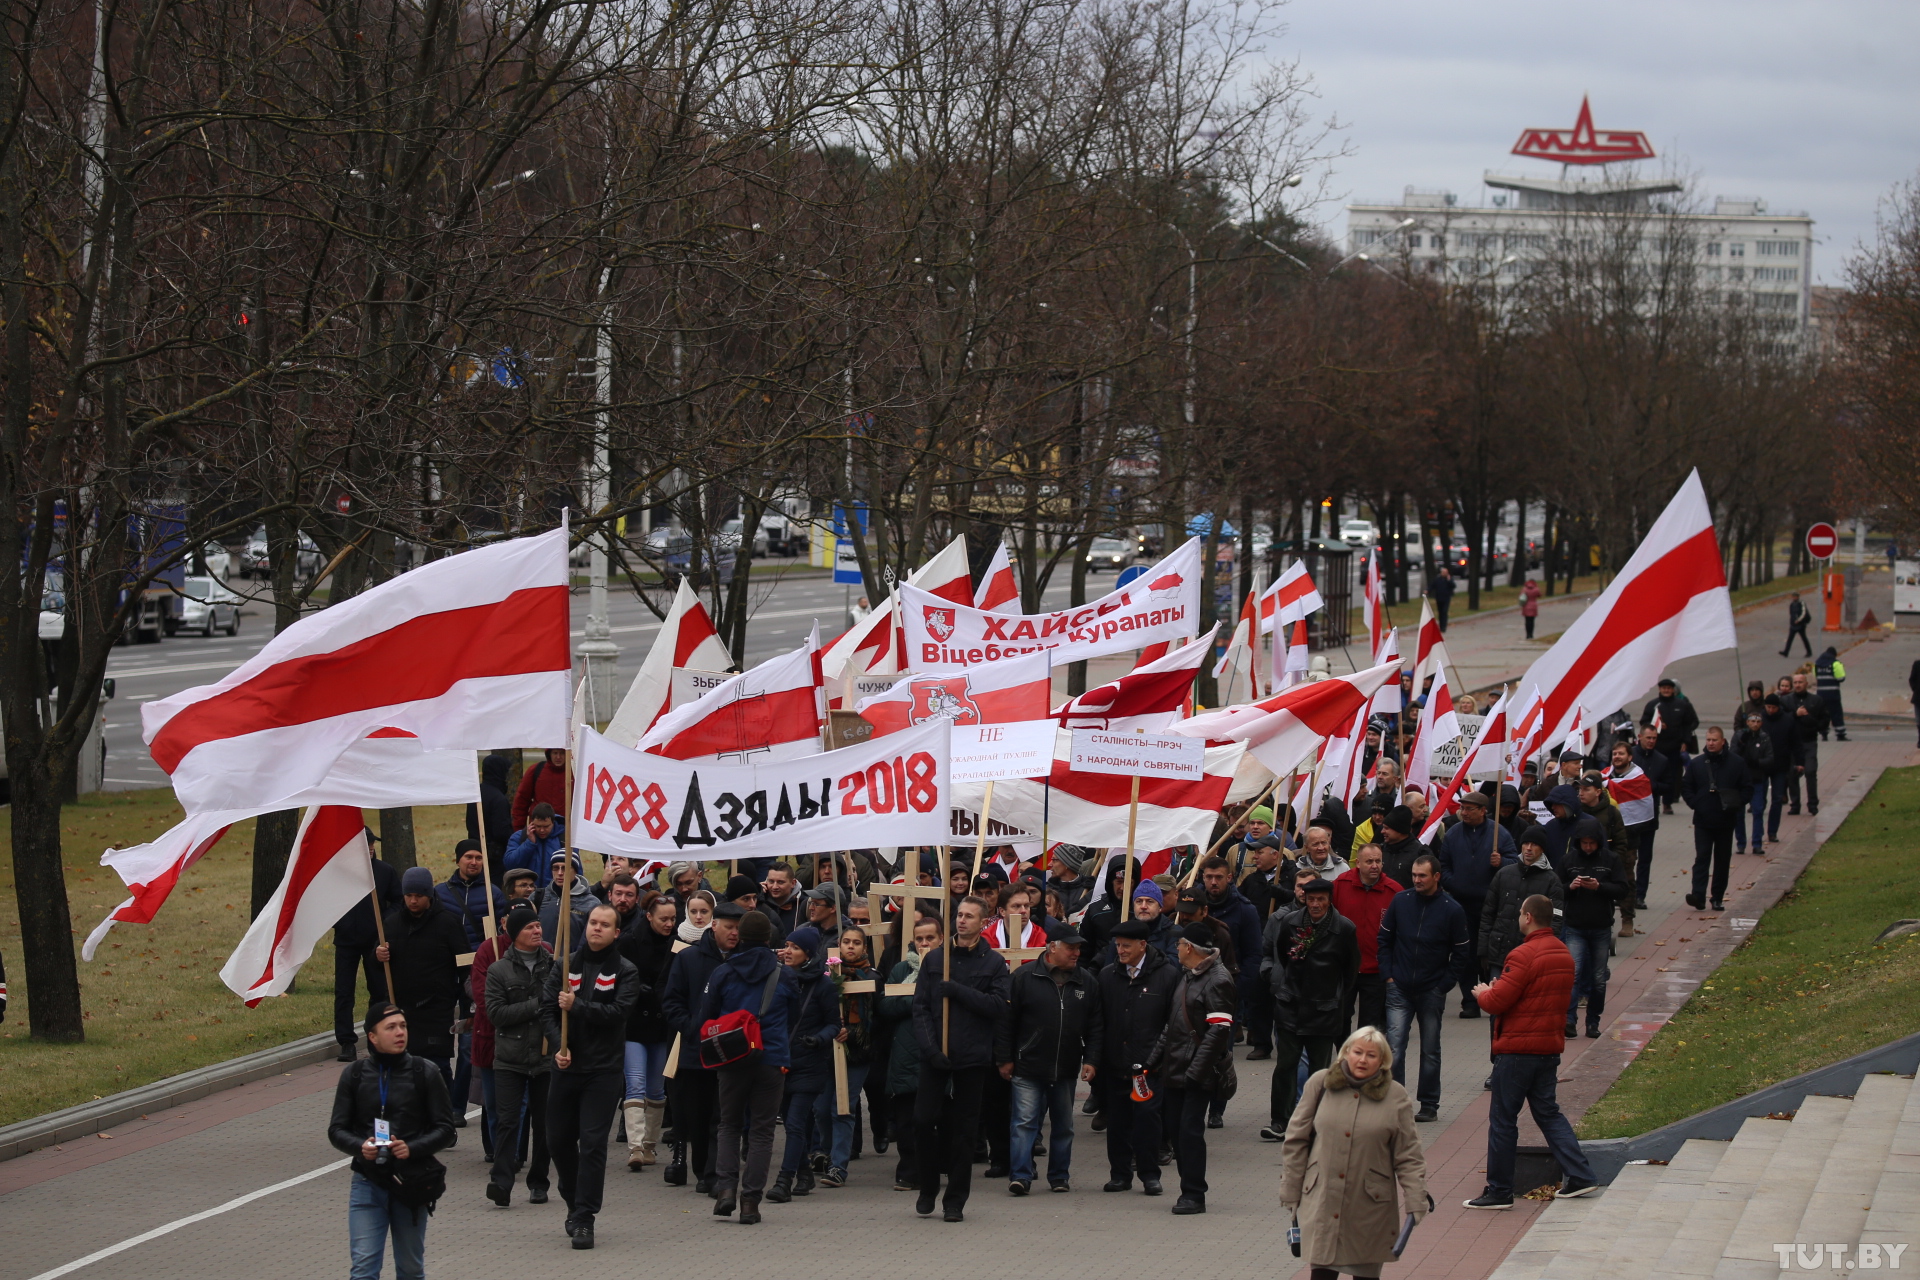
[202, 1216]
[189, 1220]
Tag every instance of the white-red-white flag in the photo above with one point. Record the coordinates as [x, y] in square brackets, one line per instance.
[991, 693]
[1669, 602]
[377, 773]
[1489, 753]
[453, 654]
[687, 639]
[1427, 640]
[1348, 754]
[1297, 720]
[1632, 790]
[1236, 662]
[1291, 598]
[1146, 699]
[1388, 701]
[998, 591]
[771, 712]
[1294, 668]
[872, 647]
[1438, 724]
[1375, 606]
[327, 875]
[1529, 733]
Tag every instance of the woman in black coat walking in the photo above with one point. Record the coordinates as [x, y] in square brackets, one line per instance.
[811, 1071]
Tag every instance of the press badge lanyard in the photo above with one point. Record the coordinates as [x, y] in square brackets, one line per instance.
[382, 1130]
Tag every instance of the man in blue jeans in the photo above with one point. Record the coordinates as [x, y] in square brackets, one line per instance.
[1049, 1042]
[1425, 948]
[391, 1113]
[1527, 1002]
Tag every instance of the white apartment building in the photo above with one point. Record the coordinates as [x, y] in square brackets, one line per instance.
[1746, 250]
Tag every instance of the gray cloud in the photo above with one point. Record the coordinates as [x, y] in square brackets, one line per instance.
[1811, 106]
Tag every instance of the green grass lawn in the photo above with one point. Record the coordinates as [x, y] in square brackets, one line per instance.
[154, 1003]
[1809, 987]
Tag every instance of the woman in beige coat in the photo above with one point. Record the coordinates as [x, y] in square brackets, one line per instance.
[1350, 1142]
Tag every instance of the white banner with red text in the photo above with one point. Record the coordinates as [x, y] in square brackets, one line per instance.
[894, 790]
[1161, 604]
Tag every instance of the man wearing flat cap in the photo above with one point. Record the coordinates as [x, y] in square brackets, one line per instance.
[1136, 998]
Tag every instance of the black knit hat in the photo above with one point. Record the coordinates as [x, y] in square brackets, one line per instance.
[519, 918]
[1197, 934]
[1535, 835]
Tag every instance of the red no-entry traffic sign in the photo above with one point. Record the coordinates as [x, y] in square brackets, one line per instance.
[1822, 541]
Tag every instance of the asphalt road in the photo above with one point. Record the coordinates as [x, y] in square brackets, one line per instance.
[784, 609]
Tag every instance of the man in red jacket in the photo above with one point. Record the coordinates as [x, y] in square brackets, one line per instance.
[1361, 894]
[1529, 1005]
[544, 780]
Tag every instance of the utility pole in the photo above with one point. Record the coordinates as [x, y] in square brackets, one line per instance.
[597, 652]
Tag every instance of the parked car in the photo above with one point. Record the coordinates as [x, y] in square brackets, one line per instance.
[1110, 553]
[207, 606]
[729, 537]
[255, 562]
[1359, 533]
[670, 551]
[218, 560]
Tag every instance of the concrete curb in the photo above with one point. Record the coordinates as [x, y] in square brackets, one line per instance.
[103, 1113]
[1837, 1079]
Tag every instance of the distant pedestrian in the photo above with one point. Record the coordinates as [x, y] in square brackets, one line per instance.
[1913, 695]
[354, 940]
[1829, 673]
[1353, 1116]
[1798, 616]
[1528, 1004]
[391, 1114]
[1441, 593]
[1530, 605]
[1716, 786]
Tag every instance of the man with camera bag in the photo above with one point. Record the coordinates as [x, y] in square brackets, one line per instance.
[750, 981]
[391, 1113]
[589, 1068]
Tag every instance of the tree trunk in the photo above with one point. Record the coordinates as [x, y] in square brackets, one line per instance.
[396, 839]
[1517, 569]
[1077, 596]
[273, 835]
[46, 924]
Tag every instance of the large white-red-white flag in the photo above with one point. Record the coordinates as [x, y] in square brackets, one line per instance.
[991, 693]
[998, 591]
[1146, 699]
[1438, 723]
[1669, 602]
[872, 646]
[375, 773]
[771, 712]
[687, 639]
[453, 654]
[328, 873]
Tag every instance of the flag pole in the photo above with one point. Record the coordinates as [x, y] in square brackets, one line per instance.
[946, 923]
[1215, 847]
[486, 858]
[565, 915]
[980, 844]
[380, 931]
[1126, 859]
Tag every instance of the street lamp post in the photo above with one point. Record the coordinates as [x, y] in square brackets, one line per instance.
[597, 652]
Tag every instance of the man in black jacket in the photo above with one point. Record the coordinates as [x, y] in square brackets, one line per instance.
[390, 1113]
[1678, 722]
[1716, 787]
[589, 1067]
[1398, 845]
[424, 944]
[1136, 997]
[1596, 884]
[1647, 755]
[1311, 961]
[1194, 1057]
[1049, 1040]
[1512, 885]
[959, 1002]
[522, 1065]
[694, 1092]
[782, 902]
[354, 940]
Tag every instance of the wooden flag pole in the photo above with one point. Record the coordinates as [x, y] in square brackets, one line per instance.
[1194, 870]
[565, 915]
[946, 925]
[486, 860]
[380, 931]
[1126, 858]
[980, 843]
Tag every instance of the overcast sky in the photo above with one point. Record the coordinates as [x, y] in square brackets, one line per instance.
[1811, 106]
